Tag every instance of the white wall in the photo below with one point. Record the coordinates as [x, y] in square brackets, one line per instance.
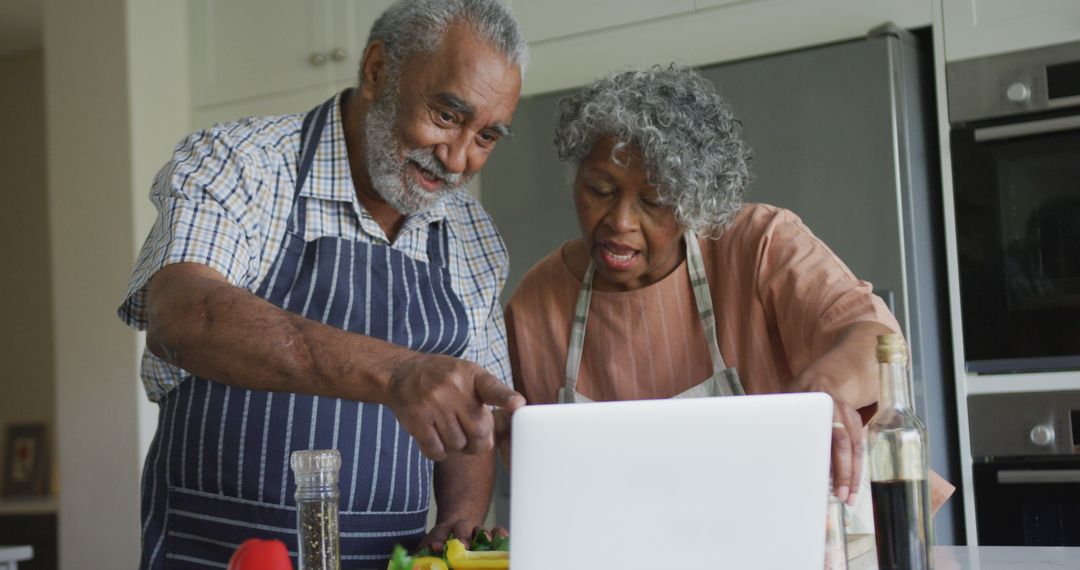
[91, 230]
[113, 73]
[160, 96]
[26, 341]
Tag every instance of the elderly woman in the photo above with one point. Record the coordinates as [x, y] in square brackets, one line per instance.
[677, 288]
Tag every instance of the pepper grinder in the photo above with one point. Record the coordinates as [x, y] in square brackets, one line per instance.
[316, 473]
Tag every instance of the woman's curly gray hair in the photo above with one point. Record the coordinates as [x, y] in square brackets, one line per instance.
[690, 139]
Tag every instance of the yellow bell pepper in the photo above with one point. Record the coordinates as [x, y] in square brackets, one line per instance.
[462, 559]
[428, 563]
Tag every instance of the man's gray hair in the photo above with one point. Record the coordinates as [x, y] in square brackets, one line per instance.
[689, 137]
[410, 27]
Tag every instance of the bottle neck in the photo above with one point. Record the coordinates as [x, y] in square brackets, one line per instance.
[895, 389]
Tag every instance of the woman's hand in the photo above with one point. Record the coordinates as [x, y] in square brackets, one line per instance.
[848, 373]
[848, 448]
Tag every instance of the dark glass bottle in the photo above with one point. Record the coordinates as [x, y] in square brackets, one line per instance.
[899, 467]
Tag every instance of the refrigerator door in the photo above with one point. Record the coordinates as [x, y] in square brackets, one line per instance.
[838, 136]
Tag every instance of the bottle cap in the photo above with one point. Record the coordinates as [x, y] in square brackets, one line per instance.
[891, 348]
[315, 462]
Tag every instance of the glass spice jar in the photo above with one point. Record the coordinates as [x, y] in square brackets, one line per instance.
[316, 473]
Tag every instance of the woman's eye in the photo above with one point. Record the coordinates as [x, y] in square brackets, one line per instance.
[651, 202]
[600, 190]
[446, 117]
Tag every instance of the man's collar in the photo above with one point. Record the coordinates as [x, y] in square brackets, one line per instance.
[436, 213]
[331, 177]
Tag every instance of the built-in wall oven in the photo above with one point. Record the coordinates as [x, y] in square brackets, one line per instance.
[1015, 143]
[1015, 146]
[1026, 452]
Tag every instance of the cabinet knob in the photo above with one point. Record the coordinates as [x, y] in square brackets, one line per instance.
[338, 54]
[317, 59]
[1042, 435]
[1018, 92]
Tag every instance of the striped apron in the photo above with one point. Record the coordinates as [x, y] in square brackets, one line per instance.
[723, 382]
[217, 471]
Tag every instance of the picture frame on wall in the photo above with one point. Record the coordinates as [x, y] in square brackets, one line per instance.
[26, 467]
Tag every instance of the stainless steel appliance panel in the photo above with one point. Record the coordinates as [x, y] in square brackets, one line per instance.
[1013, 84]
[1026, 452]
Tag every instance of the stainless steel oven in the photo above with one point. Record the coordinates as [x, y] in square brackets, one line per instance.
[1015, 142]
[1026, 451]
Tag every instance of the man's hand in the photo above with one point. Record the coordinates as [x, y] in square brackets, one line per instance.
[435, 540]
[444, 403]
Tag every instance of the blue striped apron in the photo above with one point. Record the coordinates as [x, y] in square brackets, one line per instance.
[217, 471]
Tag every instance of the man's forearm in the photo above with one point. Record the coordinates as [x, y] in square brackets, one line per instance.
[463, 485]
[208, 327]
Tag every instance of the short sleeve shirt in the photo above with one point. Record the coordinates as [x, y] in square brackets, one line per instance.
[780, 297]
[224, 200]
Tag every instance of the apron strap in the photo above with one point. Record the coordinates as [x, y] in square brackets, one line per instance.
[577, 331]
[703, 296]
[438, 243]
[310, 134]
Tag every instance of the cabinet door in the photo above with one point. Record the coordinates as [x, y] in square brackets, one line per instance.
[548, 19]
[248, 48]
[352, 20]
[974, 28]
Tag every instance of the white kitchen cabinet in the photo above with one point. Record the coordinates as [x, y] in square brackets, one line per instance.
[283, 103]
[242, 49]
[549, 19]
[975, 28]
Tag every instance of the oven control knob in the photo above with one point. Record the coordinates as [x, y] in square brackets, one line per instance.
[1042, 435]
[1018, 92]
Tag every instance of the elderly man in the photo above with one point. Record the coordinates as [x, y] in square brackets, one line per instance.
[321, 281]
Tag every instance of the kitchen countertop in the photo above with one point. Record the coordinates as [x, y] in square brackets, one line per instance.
[989, 558]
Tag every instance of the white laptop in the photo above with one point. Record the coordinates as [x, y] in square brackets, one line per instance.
[737, 482]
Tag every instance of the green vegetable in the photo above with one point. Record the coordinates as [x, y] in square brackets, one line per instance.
[481, 543]
[400, 559]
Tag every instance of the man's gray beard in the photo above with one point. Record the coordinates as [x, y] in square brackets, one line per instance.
[386, 162]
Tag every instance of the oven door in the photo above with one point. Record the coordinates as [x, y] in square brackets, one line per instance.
[1017, 199]
[1028, 502]
[1026, 452]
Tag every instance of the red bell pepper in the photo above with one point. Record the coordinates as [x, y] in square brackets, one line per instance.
[258, 554]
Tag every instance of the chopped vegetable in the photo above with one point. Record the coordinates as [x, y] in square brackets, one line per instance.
[461, 559]
[482, 543]
[484, 552]
[400, 560]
